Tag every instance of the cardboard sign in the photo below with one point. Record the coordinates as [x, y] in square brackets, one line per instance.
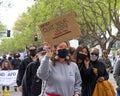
[62, 28]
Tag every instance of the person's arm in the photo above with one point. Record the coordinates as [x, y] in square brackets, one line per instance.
[109, 62]
[12, 63]
[20, 74]
[116, 73]
[26, 81]
[78, 82]
[105, 75]
[43, 70]
[109, 65]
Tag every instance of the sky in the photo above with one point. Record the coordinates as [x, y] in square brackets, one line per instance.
[9, 15]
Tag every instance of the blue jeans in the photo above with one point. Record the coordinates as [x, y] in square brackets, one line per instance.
[118, 92]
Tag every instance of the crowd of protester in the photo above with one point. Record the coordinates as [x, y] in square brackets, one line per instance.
[9, 63]
[61, 70]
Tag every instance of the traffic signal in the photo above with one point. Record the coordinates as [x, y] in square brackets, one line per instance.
[35, 37]
[8, 33]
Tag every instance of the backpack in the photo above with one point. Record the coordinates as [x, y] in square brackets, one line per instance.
[36, 86]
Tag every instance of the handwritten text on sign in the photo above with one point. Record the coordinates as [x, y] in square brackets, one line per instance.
[60, 29]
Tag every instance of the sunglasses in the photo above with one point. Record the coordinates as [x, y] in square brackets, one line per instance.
[94, 54]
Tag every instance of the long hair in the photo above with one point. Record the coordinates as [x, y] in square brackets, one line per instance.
[71, 52]
[55, 57]
[80, 48]
[104, 54]
[9, 64]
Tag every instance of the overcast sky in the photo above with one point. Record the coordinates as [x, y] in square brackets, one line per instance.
[9, 15]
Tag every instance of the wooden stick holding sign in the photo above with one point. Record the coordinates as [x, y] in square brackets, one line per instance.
[62, 28]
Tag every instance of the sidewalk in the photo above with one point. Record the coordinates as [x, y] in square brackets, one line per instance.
[111, 79]
[12, 92]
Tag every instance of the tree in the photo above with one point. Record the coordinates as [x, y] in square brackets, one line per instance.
[96, 19]
[99, 17]
[5, 3]
[2, 29]
[23, 35]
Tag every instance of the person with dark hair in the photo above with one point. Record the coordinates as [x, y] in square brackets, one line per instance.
[61, 75]
[24, 63]
[10, 58]
[31, 84]
[82, 57]
[15, 64]
[3, 59]
[71, 52]
[116, 74]
[16, 61]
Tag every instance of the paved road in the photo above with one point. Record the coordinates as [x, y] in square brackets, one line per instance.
[13, 93]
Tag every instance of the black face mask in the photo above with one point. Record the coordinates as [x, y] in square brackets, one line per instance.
[38, 59]
[81, 56]
[33, 53]
[62, 53]
[17, 56]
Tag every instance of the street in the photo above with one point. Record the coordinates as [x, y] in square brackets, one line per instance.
[13, 93]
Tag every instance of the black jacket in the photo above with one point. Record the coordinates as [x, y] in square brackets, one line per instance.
[101, 72]
[2, 61]
[87, 77]
[5, 68]
[101, 69]
[29, 75]
[15, 63]
[21, 70]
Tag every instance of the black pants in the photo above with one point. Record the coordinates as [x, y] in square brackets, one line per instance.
[3, 87]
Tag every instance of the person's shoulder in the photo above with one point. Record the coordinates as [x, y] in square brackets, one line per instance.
[101, 63]
[100, 58]
[108, 59]
[118, 59]
[117, 65]
[73, 64]
[26, 59]
[19, 60]
[118, 62]
[31, 64]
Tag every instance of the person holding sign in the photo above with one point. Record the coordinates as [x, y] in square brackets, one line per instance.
[6, 65]
[62, 76]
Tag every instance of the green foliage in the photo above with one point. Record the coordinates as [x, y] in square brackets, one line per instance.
[2, 27]
[94, 17]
